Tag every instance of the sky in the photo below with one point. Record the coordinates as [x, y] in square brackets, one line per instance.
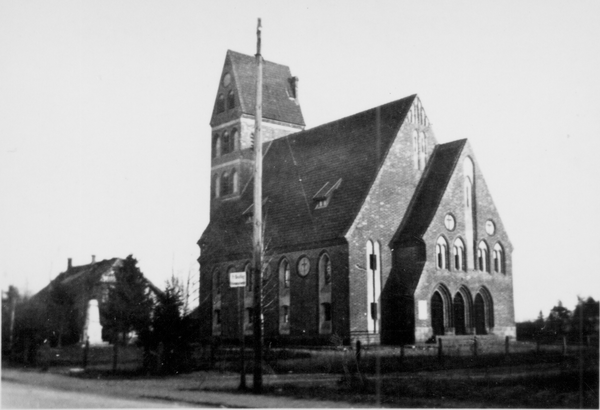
[105, 110]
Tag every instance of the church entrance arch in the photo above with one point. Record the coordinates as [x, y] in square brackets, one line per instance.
[480, 328]
[484, 311]
[437, 314]
[459, 315]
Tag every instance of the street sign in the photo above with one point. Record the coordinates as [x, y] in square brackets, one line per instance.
[237, 279]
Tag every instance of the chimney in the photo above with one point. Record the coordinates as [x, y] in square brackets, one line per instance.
[294, 84]
[69, 263]
[93, 258]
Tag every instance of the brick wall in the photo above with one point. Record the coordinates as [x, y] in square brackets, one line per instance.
[304, 297]
[380, 216]
[500, 285]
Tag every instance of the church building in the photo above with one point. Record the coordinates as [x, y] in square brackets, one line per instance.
[373, 231]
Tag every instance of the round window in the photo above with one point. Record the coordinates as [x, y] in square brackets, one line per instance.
[226, 80]
[303, 266]
[490, 228]
[449, 222]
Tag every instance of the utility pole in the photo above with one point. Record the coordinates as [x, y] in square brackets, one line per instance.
[257, 222]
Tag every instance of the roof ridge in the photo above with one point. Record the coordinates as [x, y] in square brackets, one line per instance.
[352, 115]
[408, 215]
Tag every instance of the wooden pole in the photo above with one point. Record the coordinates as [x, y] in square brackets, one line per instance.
[242, 342]
[257, 221]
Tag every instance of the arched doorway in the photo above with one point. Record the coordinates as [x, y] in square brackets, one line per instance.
[480, 327]
[459, 315]
[437, 314]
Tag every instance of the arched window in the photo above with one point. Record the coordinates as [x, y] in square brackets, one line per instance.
[215, 186]
[235, 140]
[230, 100]
[226, 149]
[441, 306]
[422, 150]
[483, 257]
[284, 273]
[216, 146]
[225, 183]
[459, 314]
[483, 311]
[325, 269]
[441, 250]
[373, 263]
[459, 255]
[217, 282]
[220, 104]
[498, 258]
[234, 181]
[249, 278]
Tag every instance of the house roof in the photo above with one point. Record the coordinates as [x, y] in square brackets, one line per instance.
[430, 191]
[73, 276]
[278, 101]
[295, 168]
[93, 272]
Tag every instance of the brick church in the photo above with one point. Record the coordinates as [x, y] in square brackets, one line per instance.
[374, 231]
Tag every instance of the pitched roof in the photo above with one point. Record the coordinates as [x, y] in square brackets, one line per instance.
[278, 103]
[429, 192]
[76, 274]
[93, 272]
[295, 168]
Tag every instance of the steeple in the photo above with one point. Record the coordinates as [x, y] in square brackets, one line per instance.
[232, 121]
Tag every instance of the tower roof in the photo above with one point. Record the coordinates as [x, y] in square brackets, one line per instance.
[279, 97]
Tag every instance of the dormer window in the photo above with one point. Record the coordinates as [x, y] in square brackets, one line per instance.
[323, 196]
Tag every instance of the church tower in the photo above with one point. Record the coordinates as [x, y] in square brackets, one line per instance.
[233, 120]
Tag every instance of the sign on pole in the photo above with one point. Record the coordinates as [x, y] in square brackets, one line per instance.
[237, 279]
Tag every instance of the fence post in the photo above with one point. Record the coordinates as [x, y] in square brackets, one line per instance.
[358, 351]
[474, 345]
[440, 350]
[506, 345]
[564, 345]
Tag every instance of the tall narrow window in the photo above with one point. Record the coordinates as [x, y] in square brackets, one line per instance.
[216, 146]
[226, 148]
[284, 271]
[373, 263]
[225, 183]
[249, 278]
[498, 258]
[215, 186]
[441, 249]
[234, 182]
[459, 255]
[325, 268]
[422, 150]
[235, 140]
[470, 225]
[483, 257]
[230, 100]
[217, 282]
[220, 104]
